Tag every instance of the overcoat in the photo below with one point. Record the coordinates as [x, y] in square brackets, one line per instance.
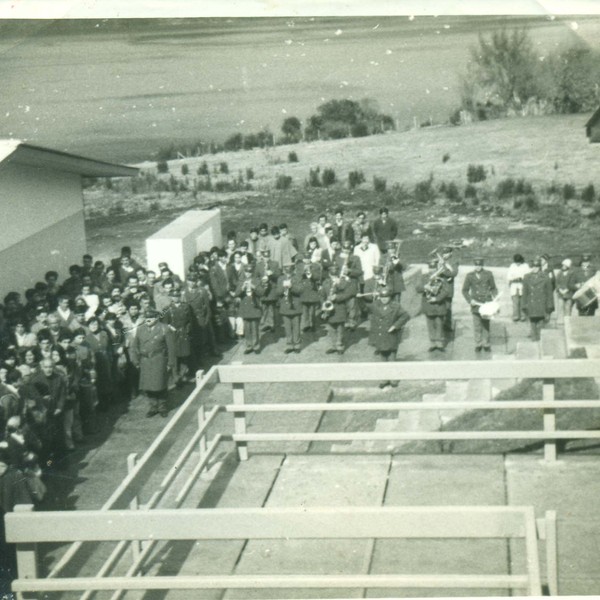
[480, 287]
[153, 351]
[382, 318]
[310, 285]
[343, 292]
[291, 305]
[250, 307]
[199, 300]
[434, 305]
[538, 299]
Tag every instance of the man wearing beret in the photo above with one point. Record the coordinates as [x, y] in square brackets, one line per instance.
[479, 287]
[538, 298]
[153, 353]
[387, 320]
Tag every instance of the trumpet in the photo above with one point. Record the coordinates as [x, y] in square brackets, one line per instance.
[287, 284]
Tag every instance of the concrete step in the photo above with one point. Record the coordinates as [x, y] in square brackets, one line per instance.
[528, 350]
[553, 343]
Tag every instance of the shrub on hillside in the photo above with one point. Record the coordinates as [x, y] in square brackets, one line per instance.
[314, 177]
[292, 157]
[470, 191]
[523, 187]
[328, 177]
[184, 169]
[355, 178]
[588, 193]
[505, 188]
[162, 166]
[203, 168]
[445, 158]
[452, 192]
[476, 173]
[223, 167]
[399, 193]
[379, 184]
[283, 182]
[424, 191]
[249, 174]
[568, 191]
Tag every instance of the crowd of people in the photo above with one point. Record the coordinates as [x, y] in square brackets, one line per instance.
[110, 332]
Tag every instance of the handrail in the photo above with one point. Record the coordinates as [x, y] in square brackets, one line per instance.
[407, 371]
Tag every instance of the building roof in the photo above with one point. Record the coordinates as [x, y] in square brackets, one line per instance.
[12, 150]
[593, 120]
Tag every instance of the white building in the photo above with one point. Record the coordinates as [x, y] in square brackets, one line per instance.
[41, 211]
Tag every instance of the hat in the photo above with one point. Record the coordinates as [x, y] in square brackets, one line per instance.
[377, 269]
[478, 260]
[566, 262]
[385, 293]
[433, 262]
[347, 243]
[193, 276]
[536, 262]
[110, 316]
[175, 292]
[586, 257]
[151, 313]
[307, 256]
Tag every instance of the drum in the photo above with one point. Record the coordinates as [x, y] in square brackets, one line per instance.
[588, 292]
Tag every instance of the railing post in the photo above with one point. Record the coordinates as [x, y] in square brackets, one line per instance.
[239, 420]
[26, 558]
[552, 552]
[202, 441]
[136, 546]
[549, 420]
[199, 376]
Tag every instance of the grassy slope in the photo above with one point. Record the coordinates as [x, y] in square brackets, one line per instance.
[540, 149]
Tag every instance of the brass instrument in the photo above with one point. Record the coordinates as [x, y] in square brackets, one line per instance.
[287, 284]
[344, 270]
[434, 284]
[328, 306]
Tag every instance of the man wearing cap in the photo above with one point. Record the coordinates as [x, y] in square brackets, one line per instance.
[385, 229]
[538, 298]
[449, 273]
[197, 294]
[312, 274]
[153, 353]
[435, 295]
[342, 230]
[179, 316]
[335, 291]
[372, 288]
[289, 290]
[387, 320]
[565, 286]
[268, 271]
[478, 288]
[249, 290]
[351, 270]
[585, 272]
[219, 287]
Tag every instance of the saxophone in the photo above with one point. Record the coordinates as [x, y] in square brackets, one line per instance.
[328, 306]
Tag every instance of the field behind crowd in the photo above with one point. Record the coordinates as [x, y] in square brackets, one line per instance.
[547, 153]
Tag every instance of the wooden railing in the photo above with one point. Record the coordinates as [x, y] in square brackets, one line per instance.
[442, 522]
[547, 370]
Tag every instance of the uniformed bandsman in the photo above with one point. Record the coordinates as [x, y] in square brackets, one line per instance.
[268, 272]
[310, 298]
[249, 290]
[435, 296]
[289, 290]
[334, 294]
[479, 287]
[179, 316]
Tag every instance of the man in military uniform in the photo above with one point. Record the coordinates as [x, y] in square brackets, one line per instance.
[351, 270]
[435, 297]
[538, 298]
[387, 320]
[449, 273]
[395, 278]
[268, 272]
[479, 287]
[249, 290]
[153, 353]
[337, 291]
[310, 297]
[289, 290]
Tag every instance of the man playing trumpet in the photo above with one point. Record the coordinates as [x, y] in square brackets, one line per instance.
[289, 290]
[312, 274]
[249, 290]
[268, 272]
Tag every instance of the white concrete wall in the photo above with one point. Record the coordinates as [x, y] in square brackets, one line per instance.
[33, 199]
[54, 248]
[178, 243]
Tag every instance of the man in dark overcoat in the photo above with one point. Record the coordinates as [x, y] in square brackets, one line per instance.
[180, 317]
[197, 294]
[312, 274]
[538, 298]
[337, 291]
[249, 290]
[387, 320]
[478, 288]
[384, 229]
[450, 270]
[153, 352]
[268, 272]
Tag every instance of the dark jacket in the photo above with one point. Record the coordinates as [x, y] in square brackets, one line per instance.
[289, 298]
[180, 319]
[434, 304]
[538, 299]
[199, 301]
[250, 306]
[480, 287]
[384, 232]
[343, 292]
[382, 318]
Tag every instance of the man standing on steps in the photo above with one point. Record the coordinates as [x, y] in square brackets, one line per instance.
[450, 264]
[387, 320]
[479, 287]
[538, 298]
[153, 353]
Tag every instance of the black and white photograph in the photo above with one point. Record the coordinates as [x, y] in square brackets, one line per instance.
[299, 300]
